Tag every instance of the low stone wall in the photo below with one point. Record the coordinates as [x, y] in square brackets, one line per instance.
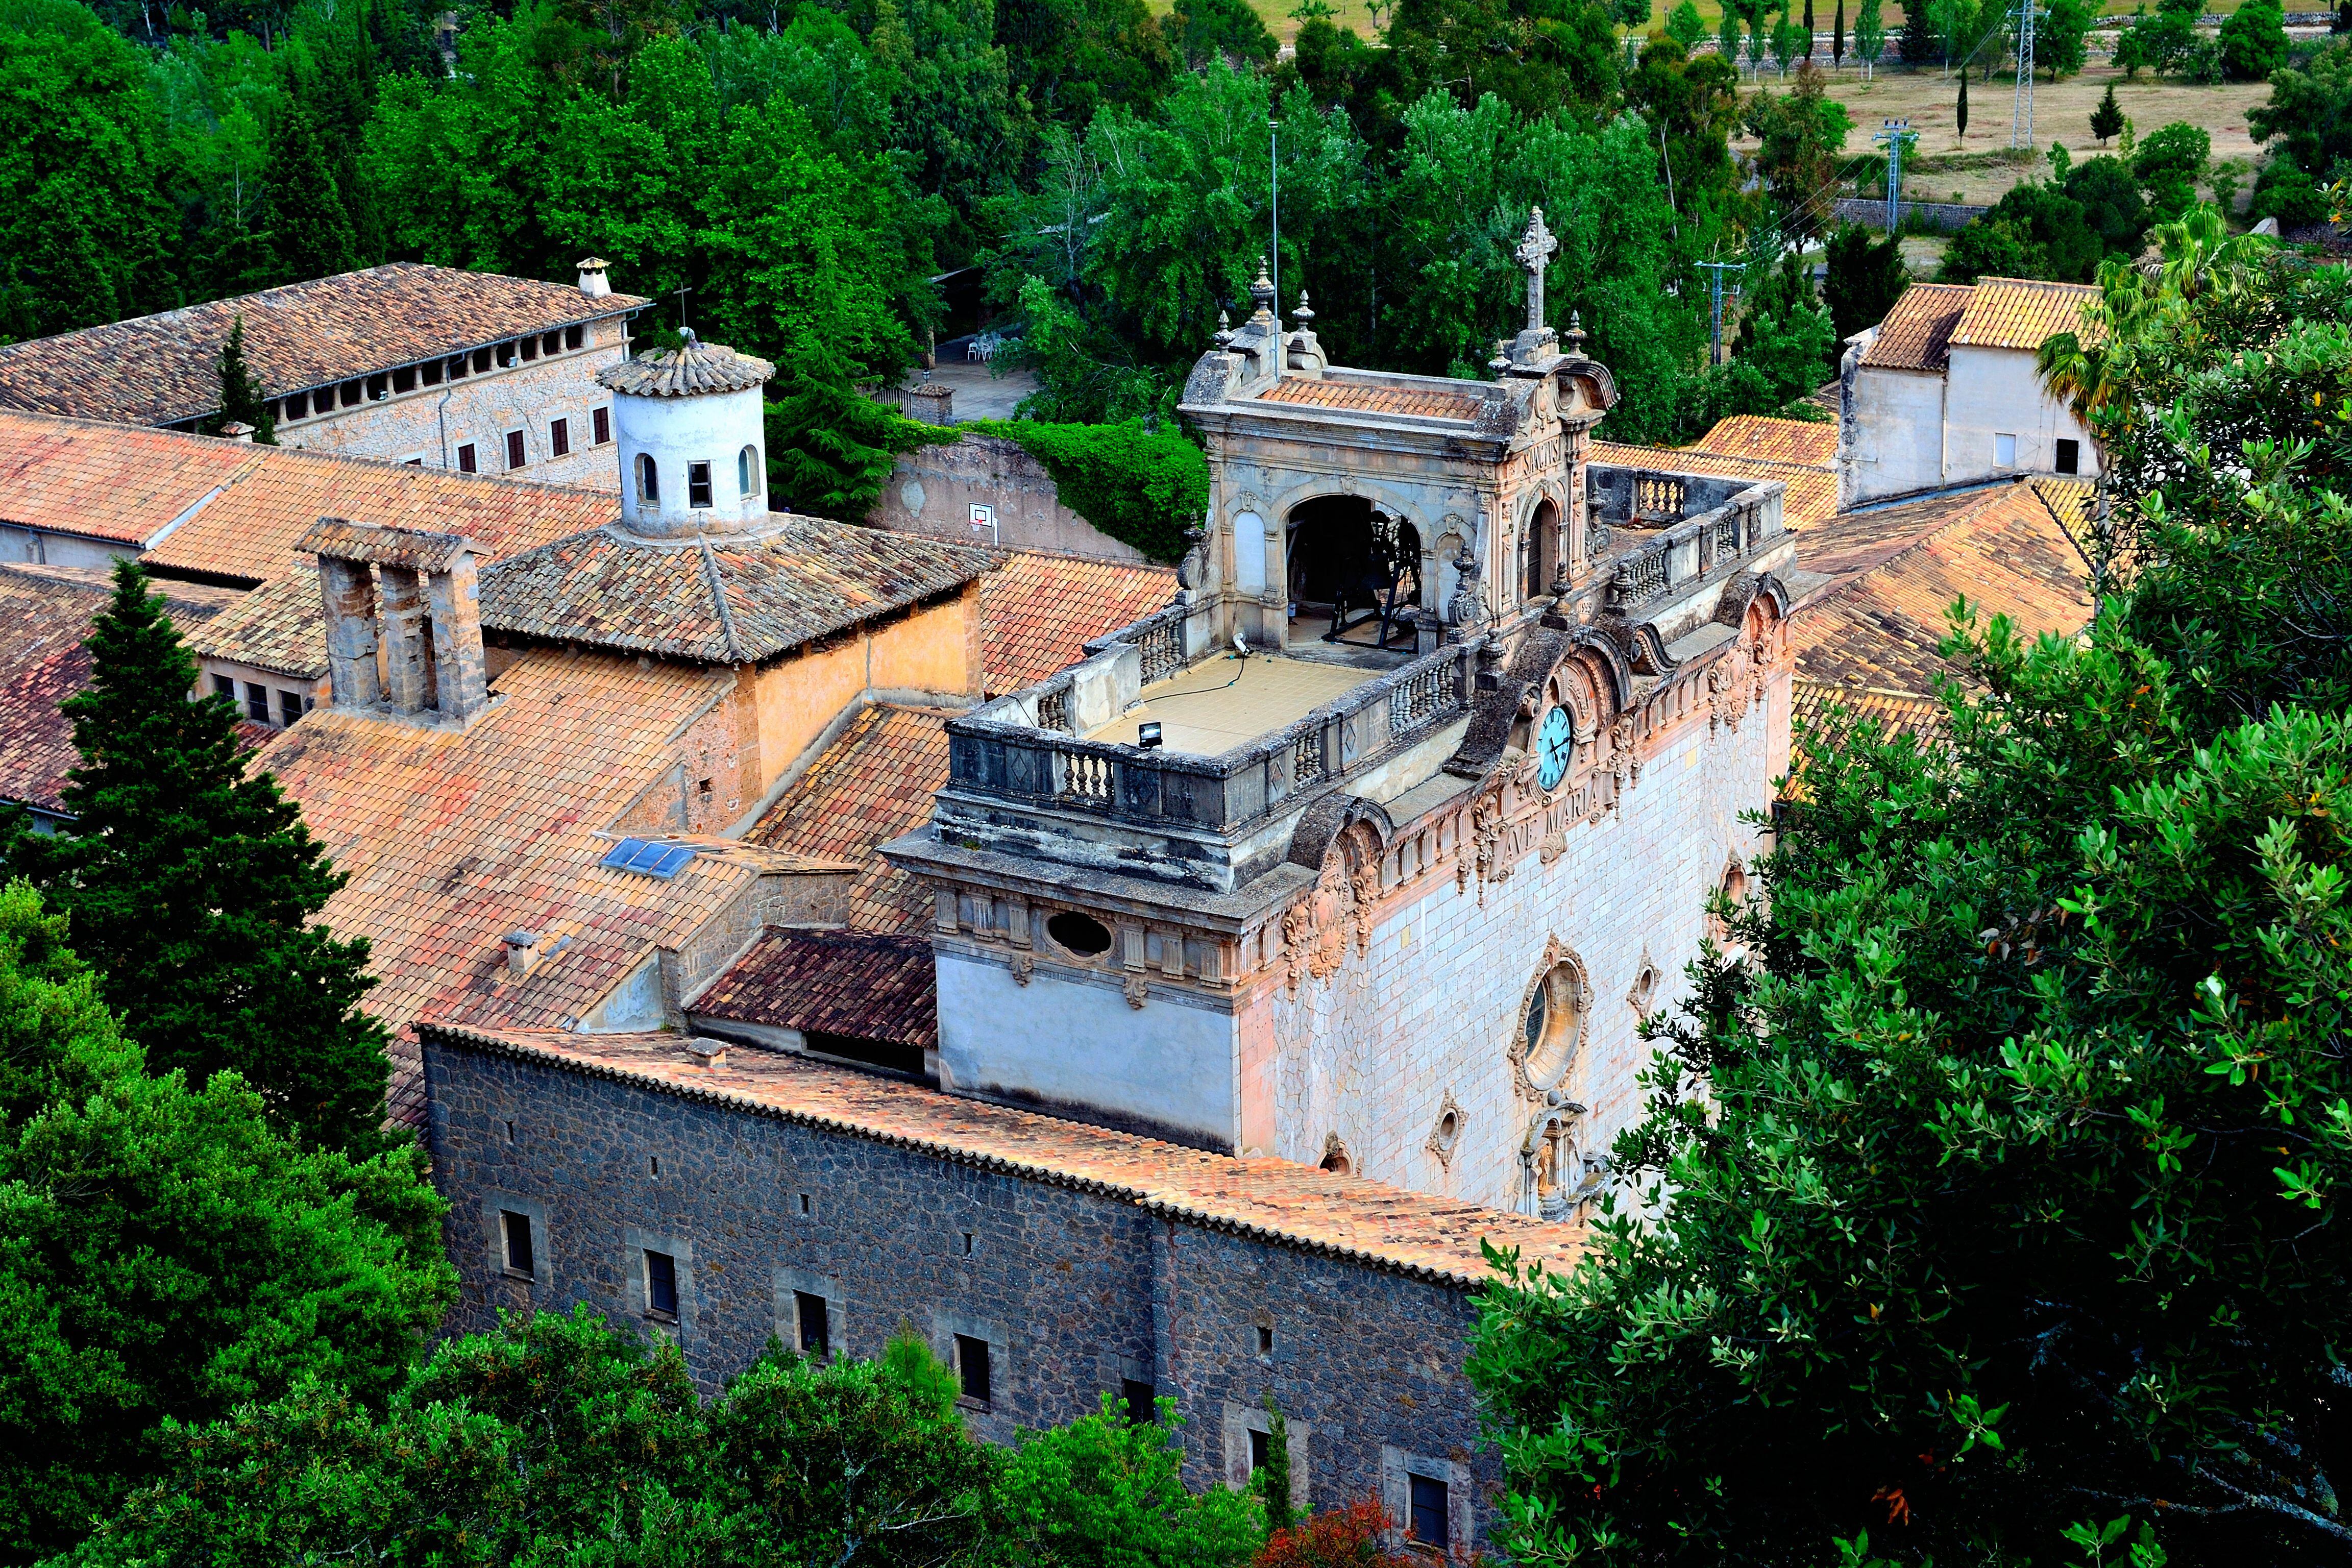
[1947, 216]
[1078, 1288]
[934, 490]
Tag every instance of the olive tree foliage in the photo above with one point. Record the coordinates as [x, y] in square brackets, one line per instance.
[1985, 1203]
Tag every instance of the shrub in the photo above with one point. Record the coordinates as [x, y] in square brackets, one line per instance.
[1142, 487]
[1349, 1537]
[2253, 40]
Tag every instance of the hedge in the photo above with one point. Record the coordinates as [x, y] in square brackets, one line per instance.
[1143, 488]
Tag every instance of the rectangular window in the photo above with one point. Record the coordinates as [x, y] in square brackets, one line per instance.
[661, 1286]
[506, 355]
[551, 344]
[1139, 1398]
[466, 462]
[379, 387]
[558, 437]
[815, 1329]
[289, 707]
[971, 1367]
[349, 393]
[575, 336]
[2070, 457]
[698, 484]
[514, 449]
[457, 365]
[530, 348]
[257, 704]
[1429, 1525]
[225, 687]
[432, 369]
[404, 379]
[481, 362]
[2004, 451]
[603, 420]
[516, 1230]
[1261, 1446]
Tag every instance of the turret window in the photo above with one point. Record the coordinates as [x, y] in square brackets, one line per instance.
[747, 470]
[648, 481]
[698, 484]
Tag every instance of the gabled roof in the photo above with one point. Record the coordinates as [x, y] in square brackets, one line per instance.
[2020, 312]
[48, 611]
[1038, 611]
[231, 510]
[1917, 334]
[723, 599]
[159, 370]
[1807, 443]
[1415, 1234]
[871, 784]
[1894, 570]
[279, 626]
[860, 983]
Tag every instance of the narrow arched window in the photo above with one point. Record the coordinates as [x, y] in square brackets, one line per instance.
[747, 470]
[648, 481]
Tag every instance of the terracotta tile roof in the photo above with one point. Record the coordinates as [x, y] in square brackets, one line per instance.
[873, 783]
[1918, 331]
[1415, 1234]
[48, 611]
[1823, 709]
[279, 625]
[688, 371]
[1895, 570]
[2020, 312]
[1039, 610]
[2070, 502]
[1806, 443]
[104, 481]
[728, 599]
[1809, 493]
[452, 839]
[417, 549]
[159, 370]
[231, 510]
[873, 987]
[1412, 402]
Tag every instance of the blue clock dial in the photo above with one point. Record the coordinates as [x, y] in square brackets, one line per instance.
[1555, 745]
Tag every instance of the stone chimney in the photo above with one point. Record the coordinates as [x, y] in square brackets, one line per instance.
[415, 646]
[592, 281]
[522, 953]
[238, 430]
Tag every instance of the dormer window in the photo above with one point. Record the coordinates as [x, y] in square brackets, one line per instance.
[648, 481]
[747, 470]
[698, 484]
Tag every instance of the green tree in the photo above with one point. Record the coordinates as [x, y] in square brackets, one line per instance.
[243, 398]
[1960, 110]
[1869, 36]
[309, 228]
[2060, 40]
[1068, 58]
[2034, 231]
[1726, 36]
[1226, 29]
[1273, 1478]
[1786, 335]
[2167, 162]
[1983, 1219]
[2107, 118]
[1686, 27]
[1837, 37]
[1105, 1491]
[168, 1254]
[2112, 209]
[2253, 40]
[1865, 278]
[831, 447]
[194, 889]
[1799, 137]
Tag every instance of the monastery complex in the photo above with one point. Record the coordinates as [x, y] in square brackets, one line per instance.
[1161, 983]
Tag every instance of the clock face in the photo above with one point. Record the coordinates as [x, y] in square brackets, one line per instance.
[1555, 744]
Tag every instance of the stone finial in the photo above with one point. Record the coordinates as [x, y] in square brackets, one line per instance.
[1225, 329]
[1537, 247]
[1502, 360]
[1302, 315]
[1263, 292]
[1574, 336]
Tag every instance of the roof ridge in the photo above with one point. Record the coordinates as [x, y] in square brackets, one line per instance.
[718, 581]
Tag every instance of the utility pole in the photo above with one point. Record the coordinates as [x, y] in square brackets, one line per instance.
[1892, 137]
[1274, 171]
[2020, 113]
[1715, 269]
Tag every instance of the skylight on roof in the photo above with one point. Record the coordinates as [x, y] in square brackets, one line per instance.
[648, 857]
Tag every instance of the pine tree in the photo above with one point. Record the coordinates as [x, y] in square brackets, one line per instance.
[2108, 117]
[1961, 115]
[1809, 29]
[243, 400]
[310, 232]
[1837, 37]
[191, 885]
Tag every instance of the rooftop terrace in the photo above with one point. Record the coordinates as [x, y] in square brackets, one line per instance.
[1228, 700]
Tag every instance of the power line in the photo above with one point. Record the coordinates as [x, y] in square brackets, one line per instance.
[2020, 112]
[1716, 270]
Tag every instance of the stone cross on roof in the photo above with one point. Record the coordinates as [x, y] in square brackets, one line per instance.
[1536, 249]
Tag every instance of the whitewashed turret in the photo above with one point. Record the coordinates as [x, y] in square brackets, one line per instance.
[693, 448]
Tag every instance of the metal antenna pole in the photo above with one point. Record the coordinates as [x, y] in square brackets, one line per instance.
[2020, 112]
[1274, 171]
[1892, 137]
[1715, 269]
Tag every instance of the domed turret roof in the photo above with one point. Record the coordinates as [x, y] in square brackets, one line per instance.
[690, 370]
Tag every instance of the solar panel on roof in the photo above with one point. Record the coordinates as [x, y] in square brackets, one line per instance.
[649, 858]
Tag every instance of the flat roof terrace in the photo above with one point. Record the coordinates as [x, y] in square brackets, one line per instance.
[1223, 703]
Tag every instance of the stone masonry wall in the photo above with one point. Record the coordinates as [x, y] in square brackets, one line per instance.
[1373, 1052]
[416, 426]
[932, 490]
[1075, 1291]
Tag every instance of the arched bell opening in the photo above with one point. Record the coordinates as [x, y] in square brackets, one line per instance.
[1354, 574]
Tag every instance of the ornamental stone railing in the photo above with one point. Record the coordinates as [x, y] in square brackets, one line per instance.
[1746, 526]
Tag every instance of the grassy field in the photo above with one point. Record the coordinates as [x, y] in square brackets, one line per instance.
[1357, 15]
